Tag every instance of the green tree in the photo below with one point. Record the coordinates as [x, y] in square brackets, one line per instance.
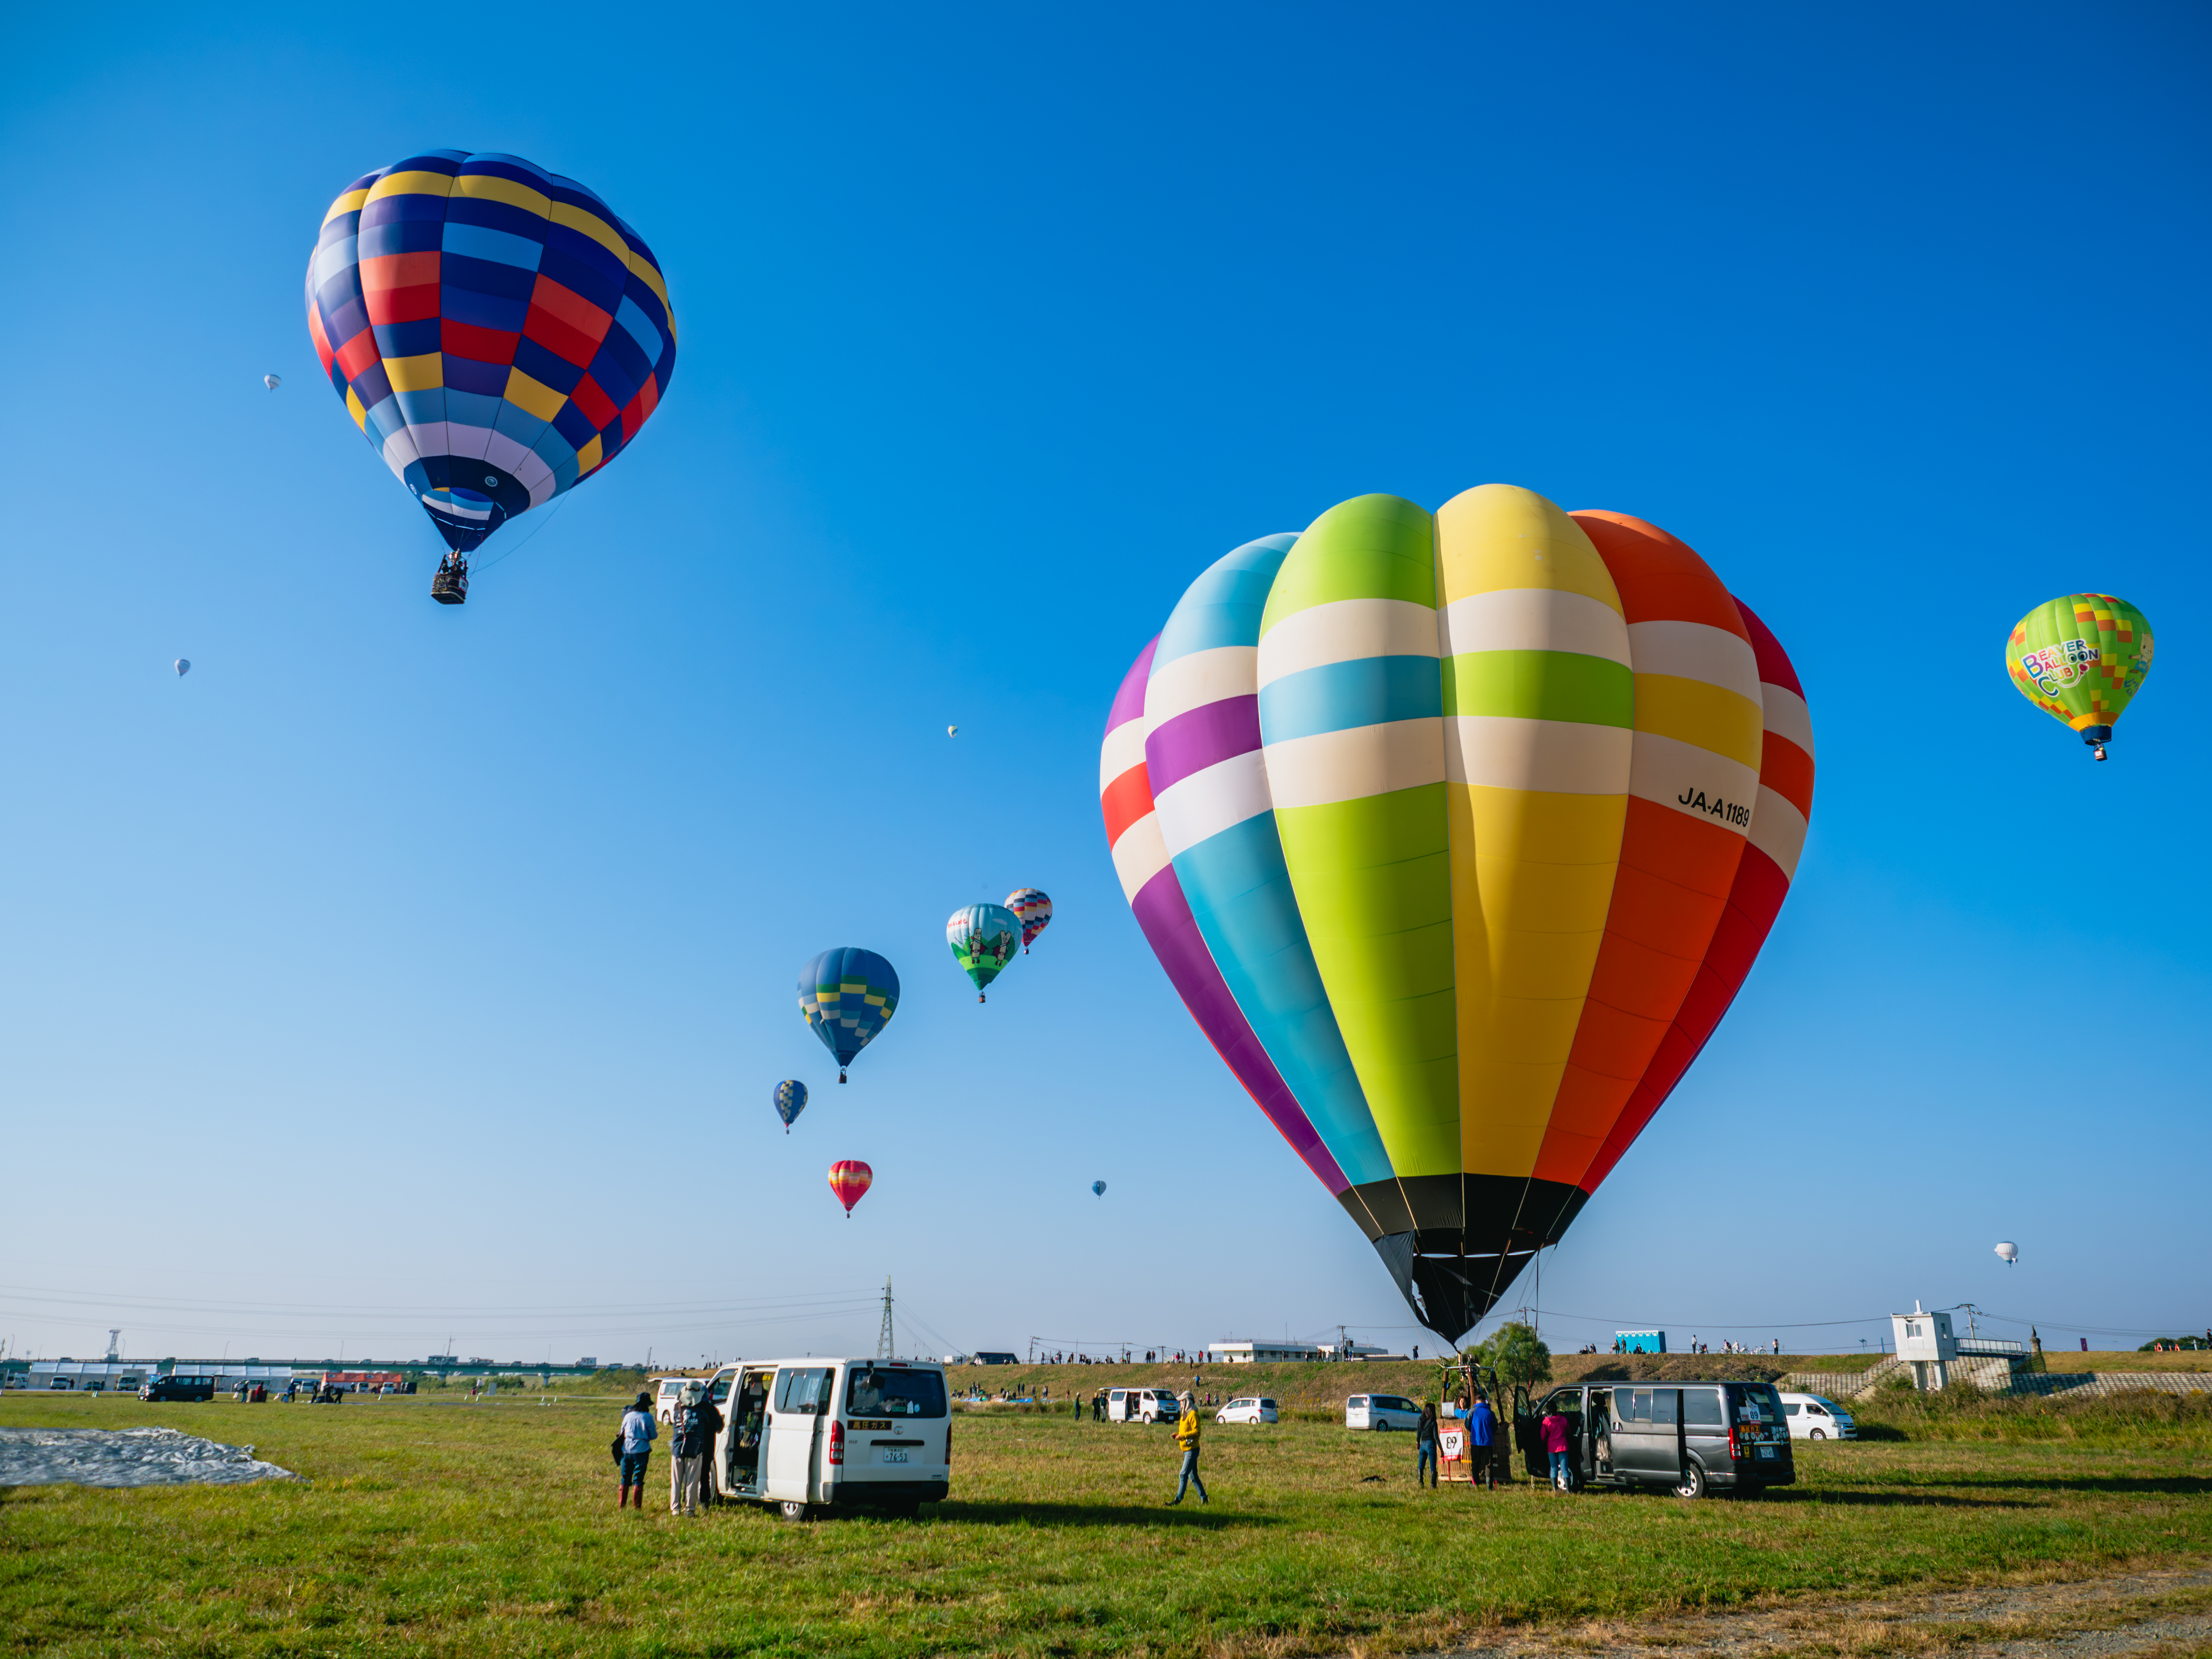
[1518, 1354]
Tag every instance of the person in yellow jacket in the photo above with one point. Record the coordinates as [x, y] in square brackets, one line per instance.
[1187, 1437]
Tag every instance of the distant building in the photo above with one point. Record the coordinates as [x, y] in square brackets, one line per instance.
[91, 1375]
[1355, 1350]
[1262, 1352]
[587, 1364]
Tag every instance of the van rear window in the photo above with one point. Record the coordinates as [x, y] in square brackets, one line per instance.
[874, 1393]
[1755, 1402]
[1701, 1408]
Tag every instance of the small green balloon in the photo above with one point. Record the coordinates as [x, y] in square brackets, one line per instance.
[2080, 659]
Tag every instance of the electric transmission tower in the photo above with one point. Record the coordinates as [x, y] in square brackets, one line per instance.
[884, 1339]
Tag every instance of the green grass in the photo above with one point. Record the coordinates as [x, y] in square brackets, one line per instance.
[429, 1526]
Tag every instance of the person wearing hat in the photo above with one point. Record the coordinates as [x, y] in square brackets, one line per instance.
[687, 1450]
[638, 1432]
[1187, 1437]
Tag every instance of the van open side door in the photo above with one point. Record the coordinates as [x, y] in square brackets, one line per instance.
[1525, 1435]
[799, 1402]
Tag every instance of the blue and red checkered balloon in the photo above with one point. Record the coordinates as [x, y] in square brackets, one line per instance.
[495, 331]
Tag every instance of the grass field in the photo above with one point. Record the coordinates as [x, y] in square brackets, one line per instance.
[429, 1526]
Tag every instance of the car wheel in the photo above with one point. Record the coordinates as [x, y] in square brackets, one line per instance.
[1817, 1434]
[792, 1509]
[1692, 1483]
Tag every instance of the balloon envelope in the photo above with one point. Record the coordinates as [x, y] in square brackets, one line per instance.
[272, 381]
[2080, 659]
[1457, 833]
[849, 1178]
[183, 666]
[1033, 909]
[2009, 1251]
[495, 330]
[1098, 1188]
[847, 995]
[983, 937]
[790, 1098]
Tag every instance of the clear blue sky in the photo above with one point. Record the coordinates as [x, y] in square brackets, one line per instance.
[407, 972]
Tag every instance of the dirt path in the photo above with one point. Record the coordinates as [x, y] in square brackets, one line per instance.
[2162, 1613]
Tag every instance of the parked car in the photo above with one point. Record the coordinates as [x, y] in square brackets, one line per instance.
[810, 1435]
[1143, 1405]
[1381, 1411]
[177, 1386]
[1250, 1409]
[668, 1391]
[1691, 1438]
[1816, 1417]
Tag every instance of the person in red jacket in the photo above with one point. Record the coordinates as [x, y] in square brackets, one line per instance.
[1556, 1437]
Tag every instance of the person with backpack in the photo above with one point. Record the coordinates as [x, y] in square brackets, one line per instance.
[633, 1447]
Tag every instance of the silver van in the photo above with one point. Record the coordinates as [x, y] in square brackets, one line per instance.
[1690, 1437]
[808, 1436]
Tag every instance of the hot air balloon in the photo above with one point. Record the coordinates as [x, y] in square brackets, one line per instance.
[847, 995]
[790, 1099]
[1098, 1189]
[849, 1178]
[982, 937]
[1033, 911]
[951, 730]
[183, 666]
[495, 330]
[272, 381]
[1457, 833]
[2080, 659]
[2010, 1252]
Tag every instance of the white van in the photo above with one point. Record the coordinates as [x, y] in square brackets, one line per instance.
[667, 1390]
[1816, 1417]
[1381, 1411]
[1143, 1405]
[812, 1434]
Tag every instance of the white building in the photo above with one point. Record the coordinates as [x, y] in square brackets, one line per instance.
[1262, 1352]
[92, 1375]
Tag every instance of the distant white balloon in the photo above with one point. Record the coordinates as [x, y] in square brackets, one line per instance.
[272, 381]
[951, 730]
[183, 666]
[2009, 1251]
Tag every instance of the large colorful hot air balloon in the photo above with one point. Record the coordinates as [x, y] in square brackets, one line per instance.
[495, 332]
[1457, 833]
[790, 1099]
[1033, 911]
[2080, 659]
[849, 1178]
[847, 995]
[983, 937]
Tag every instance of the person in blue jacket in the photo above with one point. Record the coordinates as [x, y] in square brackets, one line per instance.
[1481, 1431]
[638, 1433]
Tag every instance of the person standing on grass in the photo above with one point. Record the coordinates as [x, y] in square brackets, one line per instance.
[1424, 1447]
[1187, 1437]
[1555, 1436]
[638, 1433]
[687, 1451]
[1481, 1431]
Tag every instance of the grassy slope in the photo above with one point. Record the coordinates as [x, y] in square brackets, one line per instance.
[433, 1527]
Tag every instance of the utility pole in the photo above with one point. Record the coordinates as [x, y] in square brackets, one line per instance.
[884, 1337]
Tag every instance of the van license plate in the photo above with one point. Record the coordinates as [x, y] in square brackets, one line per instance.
[893, 1456]
[1767, 1451]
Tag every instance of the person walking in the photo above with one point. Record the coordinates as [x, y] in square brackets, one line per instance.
[638, 1432]
[1424, 1447]
[1187, 1437]
[687, 1450]
[1555, 1436]
[1482, 1434]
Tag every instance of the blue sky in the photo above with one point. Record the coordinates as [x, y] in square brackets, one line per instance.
[408, 973]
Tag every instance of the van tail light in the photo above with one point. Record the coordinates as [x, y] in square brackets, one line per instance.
[948, 1442]
[837, 1441]
[1733, 1453]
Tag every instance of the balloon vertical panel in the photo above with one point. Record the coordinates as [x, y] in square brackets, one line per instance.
[1350, 707]
[1540, 702]
[1203, 759]
[1156, 898]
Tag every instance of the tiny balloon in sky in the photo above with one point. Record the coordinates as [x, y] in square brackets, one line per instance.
[183, 666]
[272, 381]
